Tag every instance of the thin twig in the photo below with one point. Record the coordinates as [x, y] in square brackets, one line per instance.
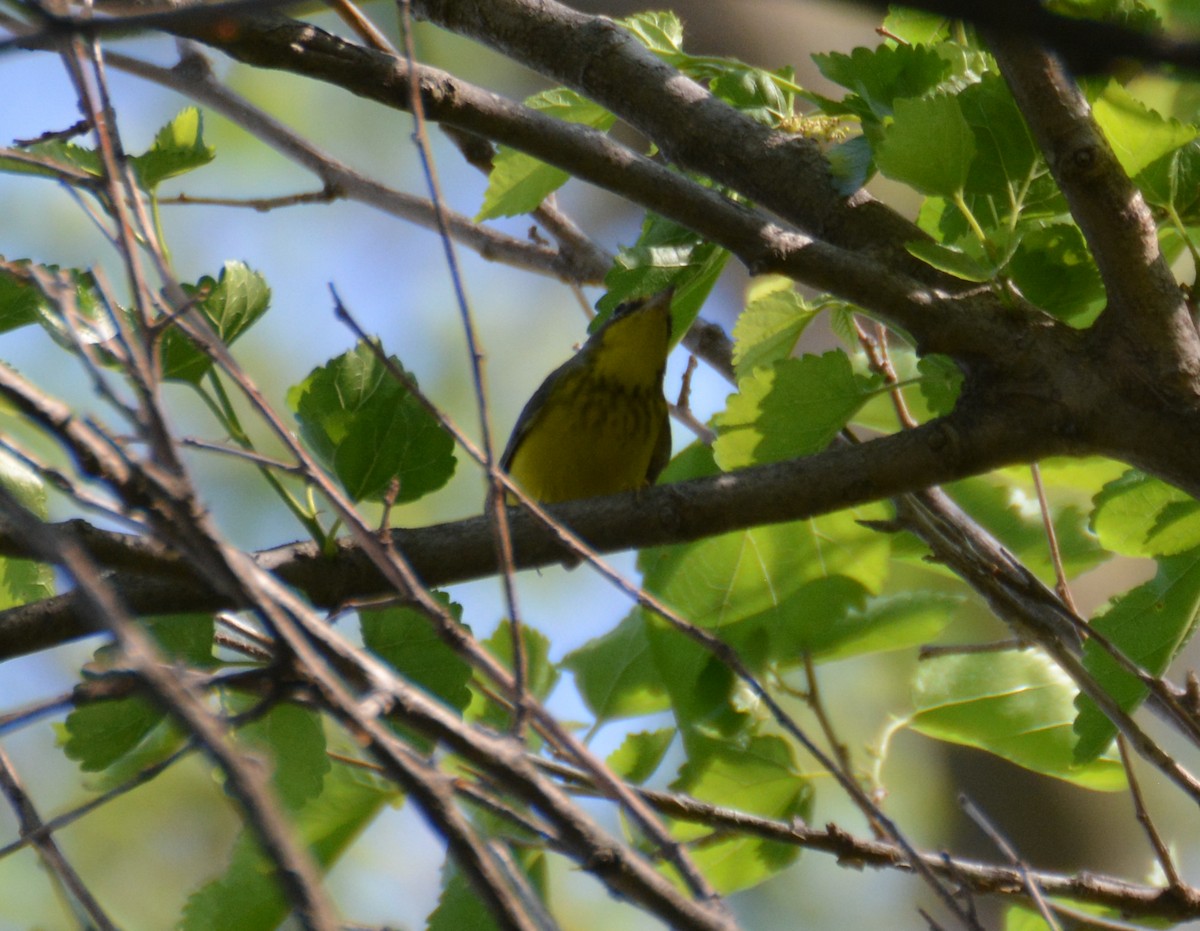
[1174, 881]
[495, 496]
[52, 856]
[1060, 575]
[1035, 893]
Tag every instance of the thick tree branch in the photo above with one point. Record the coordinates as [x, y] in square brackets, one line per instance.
[942, 315]
[447, 553]
[784, 173]
[1144, 300]
[1087, 45]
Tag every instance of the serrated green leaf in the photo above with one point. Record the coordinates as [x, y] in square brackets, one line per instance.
[19, 302]
[293, 740]
[665, 255]
[794, 408]
[368, 428]
[640, 754]
[100, 735]
[247, 897]
[1138, 515]
[1149, 624]
[877, 77]
[405, 639]
[771, 325]
[541, 674]
[1138, 135]
[1015, 704]
[57, 156]
[760, 777]
[928, 145]
[518, 183]
[660, 31]
[178, 148]
[941, 381]
[22, 303]
[232, 303]
[616, 674]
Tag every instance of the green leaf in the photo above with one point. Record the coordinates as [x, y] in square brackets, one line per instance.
[1173, 181]
[794, 408]
[770, 326]
[762, 590]
[368, 429]
[460, 906]
[541, 674]
[616, 674]
[23, 581]
[1054, 269]
[666, 254]
[99, 734]
[1149, 624]
[405, 639]
[56, 155]
[915, 26]
[660, 32]
[928, 146]
[178, 148]
[941, 381]
[877, 77]
[1006, 504]
[1005, 154]
[247, 897]
[292, 738]
[952, 261]
[1027, 918]
[891, 622]
[640, 754]
[756, 92]
[19, 301]
[232, 303]
[1138, 515]
[1015, 704]
[22, 303]
[759, 777]
[518, 183]
[1138, 135]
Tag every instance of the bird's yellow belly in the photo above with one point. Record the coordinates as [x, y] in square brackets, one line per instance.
[579, 451]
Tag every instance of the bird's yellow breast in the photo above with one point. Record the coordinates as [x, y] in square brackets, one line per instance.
[598, 424]
[595, 443]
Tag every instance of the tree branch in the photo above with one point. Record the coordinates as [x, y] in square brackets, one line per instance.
[443, 554]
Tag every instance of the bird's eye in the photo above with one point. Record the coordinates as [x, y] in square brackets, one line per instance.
[625, 309]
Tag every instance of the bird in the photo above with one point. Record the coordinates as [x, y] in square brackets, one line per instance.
[599, 423]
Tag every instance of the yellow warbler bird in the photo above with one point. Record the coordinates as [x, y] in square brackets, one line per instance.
[598, 424]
